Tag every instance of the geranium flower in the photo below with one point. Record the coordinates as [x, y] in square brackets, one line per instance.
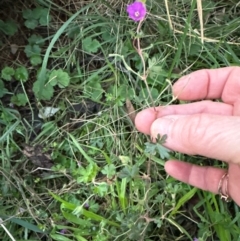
[137, 11]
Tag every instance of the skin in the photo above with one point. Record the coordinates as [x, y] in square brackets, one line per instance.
[206, 128]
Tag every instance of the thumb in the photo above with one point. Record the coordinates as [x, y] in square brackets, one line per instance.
[208, 135]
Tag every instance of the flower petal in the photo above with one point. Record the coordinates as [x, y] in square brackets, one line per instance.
[136, 11]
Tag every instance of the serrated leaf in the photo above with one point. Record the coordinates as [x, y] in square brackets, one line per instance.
[36, 60]
[150, 148]
[31, 50]
[45, 17]
[87, 174]
[32, 23]
[60, 78]
[163, 151]
[35, 39]
[7, 73]
[27, 13]
[90, 45]
[37, 12]
[46, 93]
[21, 73]
[153, 148]
[109, 170]
[101, 189]
[9, 27]
[129, 172]
[19, 99]
[154, 71]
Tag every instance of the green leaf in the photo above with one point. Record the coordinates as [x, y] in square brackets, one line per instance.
[84, 212]
[9, 27]
[129, 172]
[73, 219]
[60, 78]
[27, 13]
[36, 60]
[59, 237]
[101, 189]
[3, 90]
[45, 17]
[26, 225]
[19, 99]
[46, 93]
[106, 33]
[109, 170]
[143, 94]
[153, 148]
[155, 71]
[31, 23]
[37, 13]
[183, 200]
[7, 73]
[90, 45]
[87, 174]
[36, 16]
[66, 204]
[32, 50]
[21, 73]
[36, 39]
[9, 131]
[93, 88]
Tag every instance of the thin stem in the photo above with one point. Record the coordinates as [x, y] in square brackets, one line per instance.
[6, 230]
[139, 51]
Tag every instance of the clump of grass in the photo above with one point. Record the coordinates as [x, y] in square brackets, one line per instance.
[85, 173]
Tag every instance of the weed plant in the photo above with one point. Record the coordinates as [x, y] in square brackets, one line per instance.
[73, 166]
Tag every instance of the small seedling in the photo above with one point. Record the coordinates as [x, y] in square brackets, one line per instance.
[19, 99]
[36, 17]
[7, 73]
[9, 27]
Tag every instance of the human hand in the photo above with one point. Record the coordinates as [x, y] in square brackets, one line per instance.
[206, 128]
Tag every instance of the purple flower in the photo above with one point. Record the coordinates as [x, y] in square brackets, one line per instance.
[137, 11]
[195, 239]
[63, 231]
[86, 205]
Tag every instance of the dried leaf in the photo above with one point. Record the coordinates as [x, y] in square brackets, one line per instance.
[38, 156]
[14, 48]
[130, 110]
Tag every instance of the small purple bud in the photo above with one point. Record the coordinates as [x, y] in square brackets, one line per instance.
[86, 205]
[63, 231]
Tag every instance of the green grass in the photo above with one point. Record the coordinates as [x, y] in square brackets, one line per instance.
[88, 174]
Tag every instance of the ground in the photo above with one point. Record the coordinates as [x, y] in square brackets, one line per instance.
[85, 172]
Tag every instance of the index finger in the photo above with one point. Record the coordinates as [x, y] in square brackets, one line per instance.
[222, 83]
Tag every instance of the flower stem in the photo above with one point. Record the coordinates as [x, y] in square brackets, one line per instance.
[140, 53]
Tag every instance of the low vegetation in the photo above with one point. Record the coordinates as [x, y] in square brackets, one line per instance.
[73, 166]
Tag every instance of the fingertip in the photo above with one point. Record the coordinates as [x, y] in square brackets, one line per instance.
[144, 120]
[185, 87]
[170, 167]
[178, 169]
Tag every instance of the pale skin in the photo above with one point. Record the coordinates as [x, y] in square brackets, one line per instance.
[205, 127]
